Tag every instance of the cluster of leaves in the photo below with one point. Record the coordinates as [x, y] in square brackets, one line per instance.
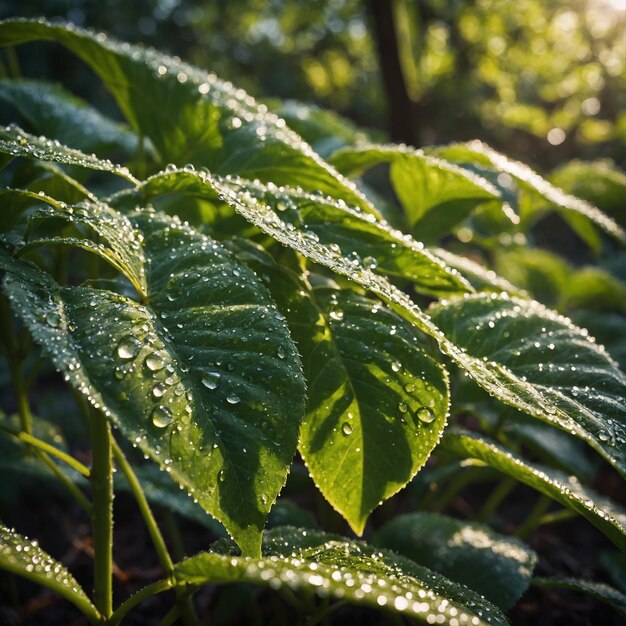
[227, 297]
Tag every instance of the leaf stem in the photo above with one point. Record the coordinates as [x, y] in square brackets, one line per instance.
[183, 601]
[534, 517]
[496, 497]
[150, 590]
[79, 496]
[102, 515]
[44, 446]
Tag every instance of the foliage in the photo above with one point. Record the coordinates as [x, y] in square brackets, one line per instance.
[219, 296]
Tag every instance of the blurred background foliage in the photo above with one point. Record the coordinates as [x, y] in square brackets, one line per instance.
[542, 80]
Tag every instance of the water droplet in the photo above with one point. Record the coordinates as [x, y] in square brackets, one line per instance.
[159, 390]
[161, 416]
[425, 415]
[53, 319]
[211, 380]
[128, 347]
[155, 361]
[346, 428]
[233, 398]
[395, 366]
[336, 314]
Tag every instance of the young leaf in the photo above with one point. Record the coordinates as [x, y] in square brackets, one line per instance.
[349, 570]
[15, 142]
[192, 116]
[426, 186]
[24, 557]
[540, 192]
[605, 593]
[377, 403]
[540, 363]
[49, 110]
[607, 516]
[204, 377]
[472, 554]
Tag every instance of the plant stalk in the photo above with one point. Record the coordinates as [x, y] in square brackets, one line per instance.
[102, 516]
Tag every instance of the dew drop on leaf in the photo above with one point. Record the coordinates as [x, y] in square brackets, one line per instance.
[346, 428]
[233, 398]
[425, 415]
[155, 362]
[128, 347]
[53, 319]
[161, 416]
[211, 380]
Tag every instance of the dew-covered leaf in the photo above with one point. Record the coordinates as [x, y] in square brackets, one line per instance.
[348, 231]
[203, 377]
[607, 516]
[113, 237]
[540, 363]
[538, 193]
[15, 142]
[330, 565]
[600, 591]
[19, 555]
[377, 403]
[470, 553]
[435, 194]
[47, 109]
[190, 115]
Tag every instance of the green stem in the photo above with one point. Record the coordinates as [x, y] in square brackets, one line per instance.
[171, 616]
[158, 587]
[35, 442]
[182, 599]
[457, 484]
[534, 517]
[146, 511]
[102, 517]
[505, 486]
[13, 62]
[67, 482]
[558, 516]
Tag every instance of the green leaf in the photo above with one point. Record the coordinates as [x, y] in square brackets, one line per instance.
[435, 194]
[607, 516]
[377, 403]
[347, 570]
[47, 109]
[605, 593]
[204, 377]
[353, 233]
[599, 182]
[191, 115]
[538, 192]
[15, 142]
[24, 557]
[472, 554]
[117, 241]
[540, 363]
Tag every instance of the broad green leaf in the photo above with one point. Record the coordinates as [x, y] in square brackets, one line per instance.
[15, 142]
[435, 194]
[539, 192]
[348, 231]
[54, 181]
[306, 560]
[599, 182]
[377, 403]
[609, 329]
[17, 201]
[19, 555]
[605, 593]
[47, 109]
[537, 361]
[190, 115]
[607, 516]
[203, 377]
[472, 554]
[585, 400]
